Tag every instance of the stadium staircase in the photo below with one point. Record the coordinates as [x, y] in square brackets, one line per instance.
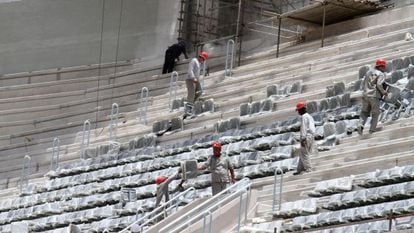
[359, 182]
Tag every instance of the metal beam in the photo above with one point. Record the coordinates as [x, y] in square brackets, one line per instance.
[323, 26]
[304, 20]
[278, 37]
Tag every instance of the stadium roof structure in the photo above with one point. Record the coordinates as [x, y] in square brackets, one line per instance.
[332, 11]
[325, 12]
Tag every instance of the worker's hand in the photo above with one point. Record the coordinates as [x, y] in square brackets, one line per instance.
[303, 142]
[233, 180]
[386, 94]
[195, 81]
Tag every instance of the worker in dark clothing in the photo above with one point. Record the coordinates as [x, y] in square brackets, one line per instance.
[173, 53]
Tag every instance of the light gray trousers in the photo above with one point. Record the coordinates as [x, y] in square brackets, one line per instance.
[193, 91]
[370, 106]
[306, 150]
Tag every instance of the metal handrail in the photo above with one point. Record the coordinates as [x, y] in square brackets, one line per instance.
[114, 121]
[143, 105]
[173, 87]
[216, 201]
[27, 166]
[202, 76]
[277, 169]
[155, 213]
[87, 130]
[54, 162]
[229, 56]
[210, 228]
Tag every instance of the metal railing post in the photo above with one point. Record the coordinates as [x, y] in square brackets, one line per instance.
[229, 56]
[143, 105]
[27, 167]
[87, 130]
[211, 205]
[202, 77]
[160, 210]
[277, 169]
[54, 162]
[113, 126]
[240, 211]
[173, 88]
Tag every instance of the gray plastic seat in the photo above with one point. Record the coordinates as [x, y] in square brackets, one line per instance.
[339, 88]
[272, 90]
[328, 129]
[363, 71]
[406, 62]
[266, 105]
[198, 108]
[323, 105]
[298, 223]
[208, 105]
[255, 107]
[397, 64]
[396, 75]
[334, 102]
[329, 92]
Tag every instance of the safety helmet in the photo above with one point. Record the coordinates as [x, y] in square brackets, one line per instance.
[381, 62]
[217, 145]
[300, 105]
[160, 179]
[204, 55]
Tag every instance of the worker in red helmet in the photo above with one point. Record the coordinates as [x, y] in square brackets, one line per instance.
[162, 187]
[192, 81]
[307, 131]
[220, 167]
[373, 90]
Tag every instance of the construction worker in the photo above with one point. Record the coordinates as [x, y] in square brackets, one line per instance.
[307, 131]
[172, 54]
[162, 187]
[219, 166]
[192, 81]
[372, 92]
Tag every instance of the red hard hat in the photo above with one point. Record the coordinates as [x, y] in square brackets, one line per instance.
[217, 145]
[300, 105]
[160, 179]
[381, 62]
[204, 55]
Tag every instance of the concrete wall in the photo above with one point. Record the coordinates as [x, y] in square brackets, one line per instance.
[42, 34]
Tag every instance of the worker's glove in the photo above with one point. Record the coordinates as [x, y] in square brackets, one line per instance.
[303, 141]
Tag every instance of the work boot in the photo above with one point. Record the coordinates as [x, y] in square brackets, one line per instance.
[297, 173]
[188, 110]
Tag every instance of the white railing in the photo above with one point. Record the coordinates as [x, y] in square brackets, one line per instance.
[208, 207]
[161, 210]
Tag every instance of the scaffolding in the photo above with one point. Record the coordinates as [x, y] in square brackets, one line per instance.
[209, 21]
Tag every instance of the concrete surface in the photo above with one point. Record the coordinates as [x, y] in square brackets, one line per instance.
[46, 34]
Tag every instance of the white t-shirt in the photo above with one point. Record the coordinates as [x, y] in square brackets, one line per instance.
[193, 69]
[307, 127]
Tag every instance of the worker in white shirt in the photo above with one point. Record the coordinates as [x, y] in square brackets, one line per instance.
[193, 81]
[307, 131]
